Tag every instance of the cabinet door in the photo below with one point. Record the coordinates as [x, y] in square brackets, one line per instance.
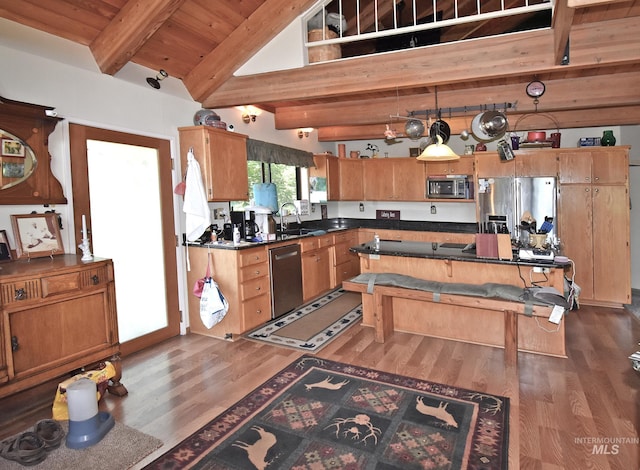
[575, 167]
[316, 273]
[488, 164]
[576, 234]
[409, 176]
[222, 156]
[542, 163]
[378, 179]
[610, 166]
[49, 335]
[351, 185]
[611, 253]
[4, 374]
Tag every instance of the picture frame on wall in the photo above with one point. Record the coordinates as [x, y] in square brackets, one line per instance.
[5, 249]
[12, 148]
[36, 235]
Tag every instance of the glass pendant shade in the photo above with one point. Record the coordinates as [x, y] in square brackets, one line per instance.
[438, 152]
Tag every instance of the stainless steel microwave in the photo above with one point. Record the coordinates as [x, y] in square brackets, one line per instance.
[448, 188]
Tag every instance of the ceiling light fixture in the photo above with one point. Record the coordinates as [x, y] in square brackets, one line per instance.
[155, 82]
[438, 152]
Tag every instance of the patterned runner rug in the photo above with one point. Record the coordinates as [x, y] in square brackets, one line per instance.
[314, 325]
[319, 414]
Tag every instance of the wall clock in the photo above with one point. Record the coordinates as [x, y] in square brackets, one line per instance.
[535, 89]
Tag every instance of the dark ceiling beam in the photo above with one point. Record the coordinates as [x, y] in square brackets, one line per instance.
[134, 24]
[243, 43]
[530, 53]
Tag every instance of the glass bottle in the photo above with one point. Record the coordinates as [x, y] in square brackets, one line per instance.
[608, 139]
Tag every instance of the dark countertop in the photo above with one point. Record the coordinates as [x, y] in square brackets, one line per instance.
[342, 223]
[451, 251]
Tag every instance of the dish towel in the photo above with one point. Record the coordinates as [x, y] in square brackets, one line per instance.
[196, 206]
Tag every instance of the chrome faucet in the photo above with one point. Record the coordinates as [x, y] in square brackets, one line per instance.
[282, 226]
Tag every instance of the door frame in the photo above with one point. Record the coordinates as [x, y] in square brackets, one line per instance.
[78, 136]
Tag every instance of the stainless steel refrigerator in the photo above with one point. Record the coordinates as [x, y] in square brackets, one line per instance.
[512, 197]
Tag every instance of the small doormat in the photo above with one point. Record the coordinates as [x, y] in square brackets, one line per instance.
[314, 325]
[121, 448]
[320, 414]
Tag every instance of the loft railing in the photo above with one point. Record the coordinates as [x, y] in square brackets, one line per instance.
[355, 21]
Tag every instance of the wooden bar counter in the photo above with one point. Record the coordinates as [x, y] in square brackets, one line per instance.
[473, 324]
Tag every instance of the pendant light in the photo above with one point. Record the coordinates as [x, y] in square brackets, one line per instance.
[438, 152]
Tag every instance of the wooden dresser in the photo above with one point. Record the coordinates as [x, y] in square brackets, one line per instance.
[58, 315]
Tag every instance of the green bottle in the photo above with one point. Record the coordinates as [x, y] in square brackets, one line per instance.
[608, 140]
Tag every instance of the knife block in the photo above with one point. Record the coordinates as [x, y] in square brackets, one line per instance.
[487, 245]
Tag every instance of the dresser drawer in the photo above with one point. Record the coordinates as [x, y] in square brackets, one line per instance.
[252, 256]
[20, 291]
[254, 288]
[254, 271]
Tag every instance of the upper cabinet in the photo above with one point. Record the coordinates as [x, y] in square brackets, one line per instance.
[597, 165]
[530, 162]
[25, 163]
[222, 156]
[463, 166]
[394, 179]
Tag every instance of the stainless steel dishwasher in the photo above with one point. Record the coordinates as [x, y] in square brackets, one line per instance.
[285, 269]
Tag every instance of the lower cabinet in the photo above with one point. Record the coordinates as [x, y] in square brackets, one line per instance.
[58, 315]
[243, 278]
[316, 266]
[345, 263]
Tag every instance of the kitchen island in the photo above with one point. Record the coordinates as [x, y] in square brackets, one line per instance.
[458, 264]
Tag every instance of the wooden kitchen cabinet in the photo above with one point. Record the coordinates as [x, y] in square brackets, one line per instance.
[464, 166]
[527, 163]
[316, 266]
[394, 179]
[222, 156]
[243, 278]
[58, 315]
[345, 263]
[594, 222]
[327, 166]
[350, 179]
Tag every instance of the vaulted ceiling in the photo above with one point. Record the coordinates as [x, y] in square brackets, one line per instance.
[204, 42]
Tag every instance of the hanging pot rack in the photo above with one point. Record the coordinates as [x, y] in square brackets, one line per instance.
[460, 110]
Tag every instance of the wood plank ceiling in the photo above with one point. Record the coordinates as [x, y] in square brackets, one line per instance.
[203, 43]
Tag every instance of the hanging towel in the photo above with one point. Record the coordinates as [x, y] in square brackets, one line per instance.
[195, 204]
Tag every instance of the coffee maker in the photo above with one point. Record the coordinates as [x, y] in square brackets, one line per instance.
[246, 223]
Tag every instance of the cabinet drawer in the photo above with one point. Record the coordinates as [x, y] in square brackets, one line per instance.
[254, 288]
[256, 311]
[254, 271]
[249, 257]
[309, 244]
[325, 241]
[347, 237]
[20, 291]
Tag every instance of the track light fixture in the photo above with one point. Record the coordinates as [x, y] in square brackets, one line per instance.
[155, 82]
[304, 132]
[247, 118]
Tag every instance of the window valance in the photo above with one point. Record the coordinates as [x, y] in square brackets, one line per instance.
[273, 153]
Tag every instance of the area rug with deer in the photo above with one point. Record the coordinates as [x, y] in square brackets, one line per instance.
[320, 414]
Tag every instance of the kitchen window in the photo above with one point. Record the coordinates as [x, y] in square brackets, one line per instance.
[283, 166]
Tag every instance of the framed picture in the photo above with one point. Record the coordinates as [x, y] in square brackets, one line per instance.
[12, 148]
[5, 249]
[12, 170]
[37, 235]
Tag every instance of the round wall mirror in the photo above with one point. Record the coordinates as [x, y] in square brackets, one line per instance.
[17, 160]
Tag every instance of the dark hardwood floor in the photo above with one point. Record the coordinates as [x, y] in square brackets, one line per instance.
[578, 413]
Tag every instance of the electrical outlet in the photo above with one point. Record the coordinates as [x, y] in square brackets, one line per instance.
[361, 207]
[434, 210]
[541, 270]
